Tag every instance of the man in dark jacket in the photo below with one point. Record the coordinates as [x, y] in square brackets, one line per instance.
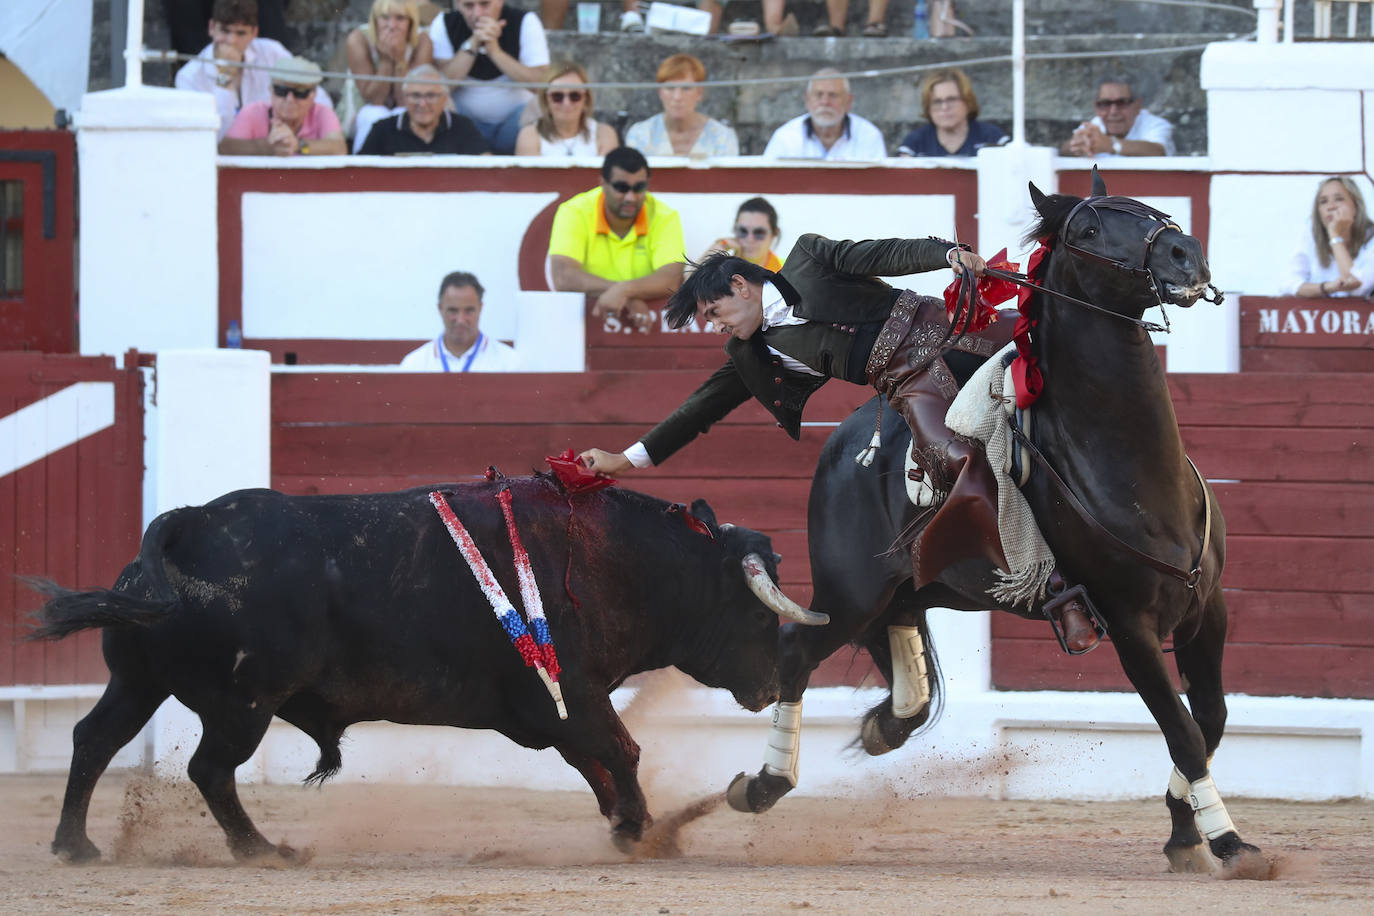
[826, 315]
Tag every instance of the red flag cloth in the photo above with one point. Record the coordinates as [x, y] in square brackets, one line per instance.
[575, 476]
[1025, 369]
[989, 292]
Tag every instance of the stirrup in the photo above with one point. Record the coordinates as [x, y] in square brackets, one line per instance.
[1058, 601]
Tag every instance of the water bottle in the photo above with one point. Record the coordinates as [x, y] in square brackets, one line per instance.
[233, 337]
[922, 27]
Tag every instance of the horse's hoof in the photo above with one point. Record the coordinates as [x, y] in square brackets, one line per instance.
[872, 738]
[738, 794]
[624, 842]
[79, 852]
[1194, 860]
[1248, 863]
[256, 849]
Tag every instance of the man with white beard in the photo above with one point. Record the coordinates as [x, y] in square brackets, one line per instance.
[827, 131]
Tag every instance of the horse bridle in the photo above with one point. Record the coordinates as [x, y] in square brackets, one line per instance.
[1139, 271]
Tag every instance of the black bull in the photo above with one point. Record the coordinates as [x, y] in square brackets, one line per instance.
[330, 610]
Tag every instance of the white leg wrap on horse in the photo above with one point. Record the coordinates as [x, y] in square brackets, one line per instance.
[910, 685]
[1208, 809]
[1178, 784]
[782, 757]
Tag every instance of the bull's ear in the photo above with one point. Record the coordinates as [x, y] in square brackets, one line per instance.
[702, 510]
[1037, 198]
[1099, 186]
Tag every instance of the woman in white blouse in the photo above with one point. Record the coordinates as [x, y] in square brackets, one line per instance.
[566, 126]
[681, 130]
[1338, 259]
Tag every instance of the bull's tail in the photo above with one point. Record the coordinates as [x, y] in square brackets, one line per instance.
[68, 611]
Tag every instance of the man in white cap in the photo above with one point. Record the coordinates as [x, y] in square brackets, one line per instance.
[292, 123]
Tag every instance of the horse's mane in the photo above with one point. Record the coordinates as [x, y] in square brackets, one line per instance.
[1052, 212]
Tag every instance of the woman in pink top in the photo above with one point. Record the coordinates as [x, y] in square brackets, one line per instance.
[292, 123]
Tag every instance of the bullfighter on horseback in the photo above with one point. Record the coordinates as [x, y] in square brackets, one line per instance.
[827, 315]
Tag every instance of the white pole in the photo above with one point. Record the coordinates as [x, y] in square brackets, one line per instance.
[1267, 20]
[1018, 73]
[133, 46]
[1288, 21]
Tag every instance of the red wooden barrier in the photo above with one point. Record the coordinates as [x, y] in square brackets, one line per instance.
[73, 515]
[1306, 335]
[1300, 512]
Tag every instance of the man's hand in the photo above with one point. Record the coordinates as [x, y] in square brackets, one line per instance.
[972, 260]
[616, 300]
[486, 33]
[1088, 140]
[283, 139]
[605, 464]
[228, 77]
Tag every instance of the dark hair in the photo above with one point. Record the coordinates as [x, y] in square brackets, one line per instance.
[759, 205]
[710, 281]
[235, 12]
[625, 158]
[460, 278]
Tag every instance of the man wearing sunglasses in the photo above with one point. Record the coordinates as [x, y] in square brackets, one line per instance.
[618, 242]
[426, 127]
[1120, 127]
[292, 124]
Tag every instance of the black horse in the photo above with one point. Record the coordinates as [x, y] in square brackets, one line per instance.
[1147, 539]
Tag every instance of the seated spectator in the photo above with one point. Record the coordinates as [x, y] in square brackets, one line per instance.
[681, 130]
[1120, 127]
[293, 123]
[391, 44]
[187, 21]
[618, 242]
[234, 37]
[483, 40]
[566, 126]
[837, 11]
[949, 104]
[827, 131]
[754, 235]
[462, 347]
[1337, 259]
[425, 125]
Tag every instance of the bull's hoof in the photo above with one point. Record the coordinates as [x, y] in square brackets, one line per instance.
[1193, 860]
[871, 735]
[76, 852]
[756, 794]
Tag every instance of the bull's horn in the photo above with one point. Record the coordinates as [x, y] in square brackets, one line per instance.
[763, 588]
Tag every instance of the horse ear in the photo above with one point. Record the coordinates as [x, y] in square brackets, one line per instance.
[1037, 198]
[1099, 186]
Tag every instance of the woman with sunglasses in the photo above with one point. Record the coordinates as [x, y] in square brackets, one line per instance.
[681, 130]
[951, 111]
[756, 232]
[566, 126]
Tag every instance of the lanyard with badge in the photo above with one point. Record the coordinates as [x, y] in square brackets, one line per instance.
[443, 353]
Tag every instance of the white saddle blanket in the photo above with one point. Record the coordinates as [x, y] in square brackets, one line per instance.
[981, 412]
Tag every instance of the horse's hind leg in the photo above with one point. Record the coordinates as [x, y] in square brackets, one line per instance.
[1199, 663]
[123, 709]
[230, 737]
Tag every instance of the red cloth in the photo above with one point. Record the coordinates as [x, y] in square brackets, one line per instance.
[575, 476]
[1025, 369]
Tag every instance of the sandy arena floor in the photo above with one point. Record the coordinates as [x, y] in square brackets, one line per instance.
[420, 849]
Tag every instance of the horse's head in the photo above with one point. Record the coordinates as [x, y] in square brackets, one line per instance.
[1123, 255]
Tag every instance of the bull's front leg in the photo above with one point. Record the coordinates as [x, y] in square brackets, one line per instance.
[608, 758]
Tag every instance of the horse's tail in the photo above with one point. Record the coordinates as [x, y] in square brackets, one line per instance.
[67, 611]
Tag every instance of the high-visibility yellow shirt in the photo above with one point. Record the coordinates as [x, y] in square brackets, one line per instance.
[580, 232]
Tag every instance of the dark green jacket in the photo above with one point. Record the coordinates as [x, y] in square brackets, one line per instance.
[834, 286]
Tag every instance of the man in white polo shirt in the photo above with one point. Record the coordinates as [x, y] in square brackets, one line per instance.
[462, 347]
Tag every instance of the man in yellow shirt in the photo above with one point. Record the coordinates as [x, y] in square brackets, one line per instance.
[618, 242]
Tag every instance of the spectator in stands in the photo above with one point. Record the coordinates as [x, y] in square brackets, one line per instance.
[393, 43]
[754, 235]
[462, 347]
[484, 40]
[188, 19]
[566, 125]
[1337, 259]
[618, 242]
[681, 130]
[293, 123]
[425, 125]
[837, 11]
[827, 130]
[951, 108]
[1120, 127]
[234, 37]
